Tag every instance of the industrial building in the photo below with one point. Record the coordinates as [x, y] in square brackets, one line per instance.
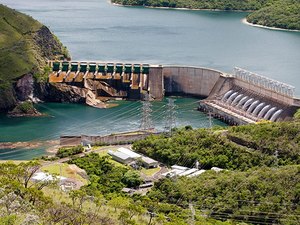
[182, 171]
[126, 156]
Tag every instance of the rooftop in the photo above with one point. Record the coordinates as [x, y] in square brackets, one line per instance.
[129, 153]
[148, 160]
[119, 155]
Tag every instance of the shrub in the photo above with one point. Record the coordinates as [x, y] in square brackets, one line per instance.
[65, 152]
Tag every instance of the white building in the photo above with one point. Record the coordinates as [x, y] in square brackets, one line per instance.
[130, 153]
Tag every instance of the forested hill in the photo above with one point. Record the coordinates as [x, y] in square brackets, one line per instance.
[281, 14]
[25, 46]
[260, 183]
[237, 148]
[272, 13]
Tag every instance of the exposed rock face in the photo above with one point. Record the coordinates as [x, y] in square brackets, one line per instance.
[7, 98]
[59, 92]
[24, 87]
[56, 92]
[48, 46]
[45, 46]
[91, 100]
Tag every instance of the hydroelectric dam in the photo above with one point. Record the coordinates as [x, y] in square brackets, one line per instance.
[239, 98]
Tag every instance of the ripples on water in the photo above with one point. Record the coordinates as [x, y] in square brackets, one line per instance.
[75, 119]
[97, 30]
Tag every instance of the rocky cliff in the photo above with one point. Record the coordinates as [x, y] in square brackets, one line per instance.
[25, 47]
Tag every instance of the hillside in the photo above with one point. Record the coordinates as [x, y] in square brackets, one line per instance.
[272, 13]
[26, 45]
[259, 186]
[258, 196]
[238, 148]
[281, 14]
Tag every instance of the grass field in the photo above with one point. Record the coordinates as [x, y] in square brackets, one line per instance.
[16, 52]
[150, 172]
[63, 169]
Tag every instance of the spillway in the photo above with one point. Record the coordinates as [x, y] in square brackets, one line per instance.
[241, 97]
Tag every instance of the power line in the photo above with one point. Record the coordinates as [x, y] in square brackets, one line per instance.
[146, 121]
[170, 116]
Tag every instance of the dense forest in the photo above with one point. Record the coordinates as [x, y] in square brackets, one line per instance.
[260, 183]
[281, 14]
[240, 147]
[272, 13]
[258, 196]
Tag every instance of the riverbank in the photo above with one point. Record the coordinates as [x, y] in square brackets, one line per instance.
[51, 146]
[188, 9]
[287, 11]
[244, 21]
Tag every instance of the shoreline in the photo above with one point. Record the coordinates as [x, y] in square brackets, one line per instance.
[190, 9]
[51, 146]
[244, 21]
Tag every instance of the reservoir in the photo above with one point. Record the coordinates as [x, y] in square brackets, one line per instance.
[76, 119]
[98, 30]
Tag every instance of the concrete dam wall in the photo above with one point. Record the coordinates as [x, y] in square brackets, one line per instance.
[190, 80]
[238, 98]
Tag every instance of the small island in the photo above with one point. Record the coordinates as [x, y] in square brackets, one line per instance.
[283, 14]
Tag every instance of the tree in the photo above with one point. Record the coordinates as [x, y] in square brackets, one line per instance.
[135, 208]
[27, 170]
[132, 179]
[297, 115]
[118, 202]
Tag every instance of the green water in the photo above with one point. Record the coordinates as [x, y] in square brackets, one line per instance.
[76, 119]
[97, 30]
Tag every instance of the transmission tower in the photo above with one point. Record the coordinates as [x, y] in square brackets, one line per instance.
[210, 120]
[170, 116]
[146, 121]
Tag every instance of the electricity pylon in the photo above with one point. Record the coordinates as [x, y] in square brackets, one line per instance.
[146, 121]
[170, 116]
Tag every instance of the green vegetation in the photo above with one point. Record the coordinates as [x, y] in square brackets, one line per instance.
[42, 76]
[241, 147]
[273, 13]
[69, 151]
[258, 196]
[281, 14]
[25, 107]
[24, 202]
[199, 4]
[25, 45]
[297, 115]
[101, 172]
[65, 170]
[107, 180]
[260, 185]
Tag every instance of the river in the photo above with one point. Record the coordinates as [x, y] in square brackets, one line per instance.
[97, 30]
